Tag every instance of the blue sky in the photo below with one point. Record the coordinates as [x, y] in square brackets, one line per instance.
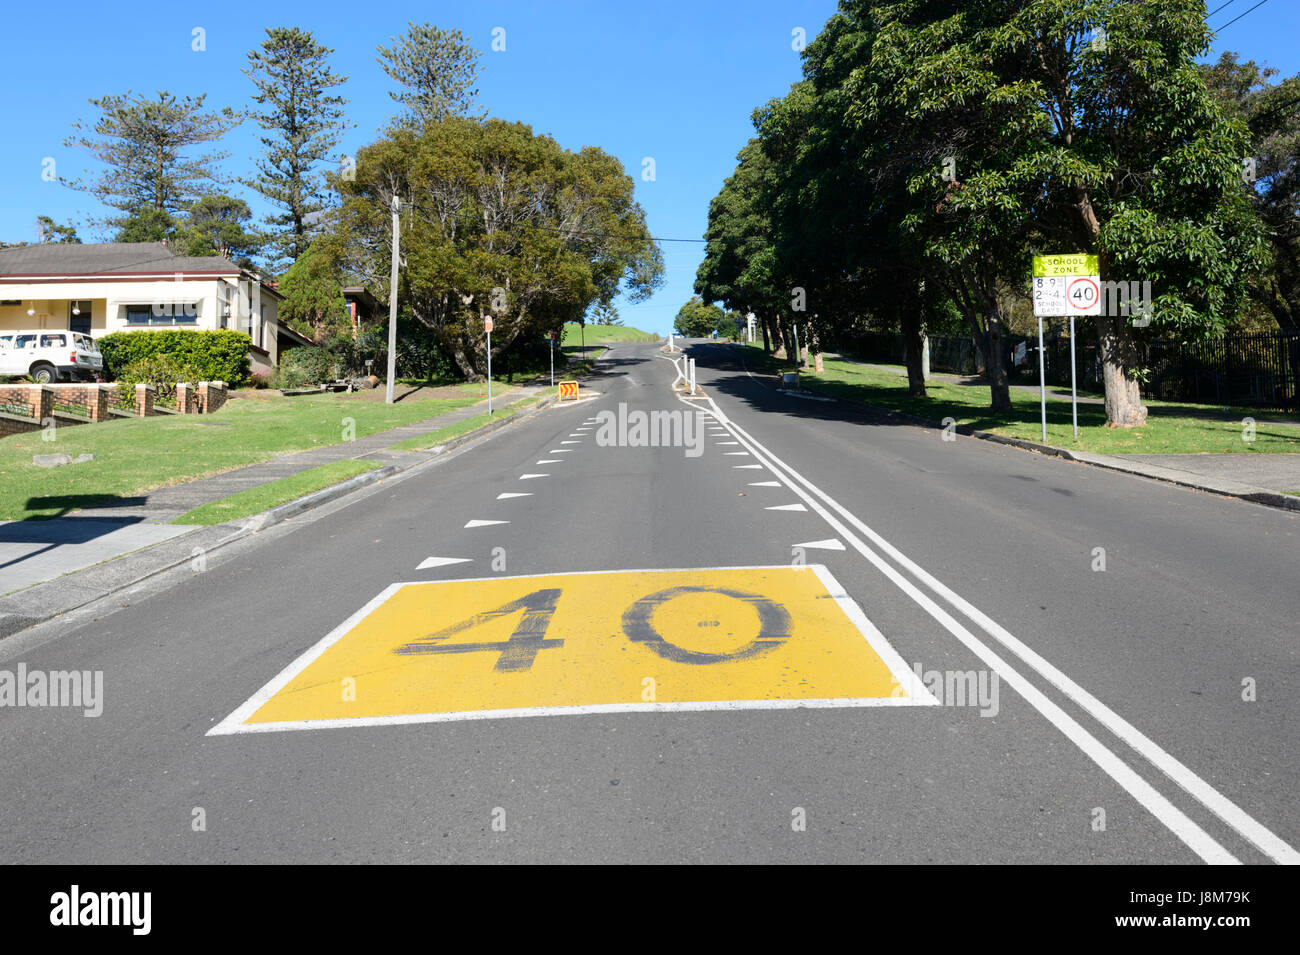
[675, 81]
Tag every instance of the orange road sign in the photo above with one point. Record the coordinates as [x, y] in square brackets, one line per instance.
[568, 389]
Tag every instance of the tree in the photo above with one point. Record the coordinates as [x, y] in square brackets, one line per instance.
[313, 297]
[146, 224]
[303, 123]
[696, 319]
[1271, 173]
[605, 314]
[500, 221]
[215, 225]
[435, 70]
[142, 144]
[740, 266]
[49, 231]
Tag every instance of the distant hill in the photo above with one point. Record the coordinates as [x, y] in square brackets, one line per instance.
[605, 334]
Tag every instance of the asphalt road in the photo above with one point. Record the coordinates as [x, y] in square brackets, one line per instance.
[1141, 713]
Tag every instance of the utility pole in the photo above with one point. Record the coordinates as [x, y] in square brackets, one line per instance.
[392, 306]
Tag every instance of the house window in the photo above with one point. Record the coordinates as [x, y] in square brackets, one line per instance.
[179, 314]
[79, 317]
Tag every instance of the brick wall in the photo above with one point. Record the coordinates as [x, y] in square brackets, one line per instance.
[212, 395]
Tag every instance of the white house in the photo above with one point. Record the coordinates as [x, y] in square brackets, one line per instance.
[125, 286]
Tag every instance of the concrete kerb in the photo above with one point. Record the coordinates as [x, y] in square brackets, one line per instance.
[1244, 492]
[41, 602]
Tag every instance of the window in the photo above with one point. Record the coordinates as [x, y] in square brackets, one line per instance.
[53, 341]
[25, 341]
[179, 314]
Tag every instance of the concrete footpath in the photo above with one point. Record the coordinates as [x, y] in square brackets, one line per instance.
[35, 556]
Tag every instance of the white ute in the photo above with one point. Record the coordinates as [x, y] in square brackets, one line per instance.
[47, 356]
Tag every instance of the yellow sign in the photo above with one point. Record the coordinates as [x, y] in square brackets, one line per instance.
[730, 638]
[568, 389]
[1046, 266]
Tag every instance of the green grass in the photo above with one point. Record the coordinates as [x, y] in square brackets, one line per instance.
[604, 334]
[258, 499]
[1170, 428]
[434, 438]
[137, 454]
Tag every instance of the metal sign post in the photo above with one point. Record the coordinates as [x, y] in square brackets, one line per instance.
[551, 340]
[1074, 394]
[1042, 378]
[487, 327]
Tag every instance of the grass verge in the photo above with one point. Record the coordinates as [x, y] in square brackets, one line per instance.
[258, 499]
[1170, 428]
[133, 455]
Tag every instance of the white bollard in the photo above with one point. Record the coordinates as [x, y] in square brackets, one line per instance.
[692, 366]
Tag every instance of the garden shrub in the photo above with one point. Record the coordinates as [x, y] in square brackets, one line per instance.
[219, 355]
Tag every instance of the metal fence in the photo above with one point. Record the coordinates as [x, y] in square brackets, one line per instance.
[1257, 370]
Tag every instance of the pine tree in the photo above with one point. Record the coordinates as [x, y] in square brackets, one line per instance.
[141, 142]
[436, 70]
[303, 123]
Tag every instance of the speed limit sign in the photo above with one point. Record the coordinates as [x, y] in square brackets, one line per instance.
[1083, 295]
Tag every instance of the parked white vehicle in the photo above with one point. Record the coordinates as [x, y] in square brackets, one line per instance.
[47, 356]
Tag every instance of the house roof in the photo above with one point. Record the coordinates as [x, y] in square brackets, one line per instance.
[109, 258]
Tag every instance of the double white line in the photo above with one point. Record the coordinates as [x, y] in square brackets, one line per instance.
[853, 530]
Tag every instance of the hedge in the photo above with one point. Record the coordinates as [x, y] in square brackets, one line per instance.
[220, 355]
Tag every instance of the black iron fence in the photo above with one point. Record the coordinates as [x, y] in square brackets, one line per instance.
[1257, 370]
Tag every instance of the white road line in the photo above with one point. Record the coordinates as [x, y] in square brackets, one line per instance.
[478, 523]
[442, 562]
[1170, 815]
[735, 453]
[529, 477]
[786, 507]
[570, 442]
[560, 451]
[765, 484]
[551, 461]
[831, 543]
[746, 467]
[509, 494]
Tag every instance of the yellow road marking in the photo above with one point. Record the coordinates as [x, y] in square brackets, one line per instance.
[620, 640]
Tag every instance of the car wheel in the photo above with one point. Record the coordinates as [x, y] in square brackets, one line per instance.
[43, 374]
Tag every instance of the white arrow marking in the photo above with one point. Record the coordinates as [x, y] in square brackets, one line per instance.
[551, 461]
[442, 562]
[528, 477]
[745, 453]
[787, 507]
[742, 467]
[509, 494]
[484, 523]
[831, 543]
[765, 484]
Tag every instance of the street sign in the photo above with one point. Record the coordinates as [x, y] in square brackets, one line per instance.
[1083, 295]
[1052, 265]
[487, 324]
[568, 389]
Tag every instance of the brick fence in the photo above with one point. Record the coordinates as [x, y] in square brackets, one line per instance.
[25, 408]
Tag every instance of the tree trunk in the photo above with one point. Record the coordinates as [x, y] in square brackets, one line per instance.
[909, 308]
[1119, 359]
[987, 332]
[767, 341]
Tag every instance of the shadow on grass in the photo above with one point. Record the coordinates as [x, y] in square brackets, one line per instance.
[63, 504]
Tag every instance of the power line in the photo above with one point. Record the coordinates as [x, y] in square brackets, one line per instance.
[1235, 19]
[1219, 7]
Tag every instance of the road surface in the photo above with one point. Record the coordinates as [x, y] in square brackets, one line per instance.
[821, 638]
